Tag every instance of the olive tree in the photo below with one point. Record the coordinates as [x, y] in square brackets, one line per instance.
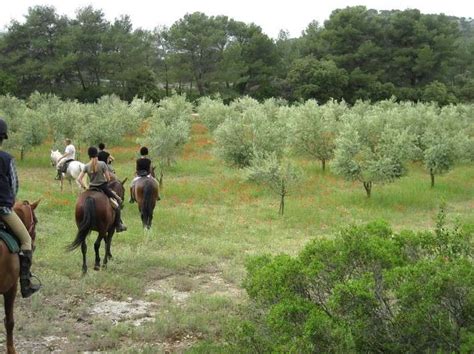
[212, 112]
[280, 176]
[168, 130]
[257, 129]
[313, 131]
[27, 128]
[369, 151]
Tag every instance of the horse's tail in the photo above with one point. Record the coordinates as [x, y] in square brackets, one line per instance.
[85, 227]
[148, 203]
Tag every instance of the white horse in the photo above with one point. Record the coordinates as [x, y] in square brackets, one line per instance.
[72, 172]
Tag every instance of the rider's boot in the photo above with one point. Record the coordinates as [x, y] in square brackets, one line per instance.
[27, 288]
[119, 226]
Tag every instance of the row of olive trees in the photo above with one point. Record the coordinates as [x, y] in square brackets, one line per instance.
[164, 128]
[44, 116]
[369, 143]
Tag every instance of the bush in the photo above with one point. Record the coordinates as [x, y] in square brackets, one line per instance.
[366, 289]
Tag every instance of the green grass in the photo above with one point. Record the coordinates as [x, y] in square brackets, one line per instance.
[208, 222]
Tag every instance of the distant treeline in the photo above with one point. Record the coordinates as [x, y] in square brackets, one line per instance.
[358, 53]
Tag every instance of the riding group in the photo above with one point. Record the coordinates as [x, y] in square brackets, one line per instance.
[98, 208]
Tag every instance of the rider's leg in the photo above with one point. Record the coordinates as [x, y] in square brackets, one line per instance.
[132, 199]
[26, 255]
[59, 169]
[58, 174]
[158, 186]
[119, 226]
[132, 190]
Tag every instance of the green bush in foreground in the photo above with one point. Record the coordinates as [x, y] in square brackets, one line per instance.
[367, 289]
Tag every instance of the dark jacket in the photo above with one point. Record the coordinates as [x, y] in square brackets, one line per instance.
[143, 166]
[8, 180]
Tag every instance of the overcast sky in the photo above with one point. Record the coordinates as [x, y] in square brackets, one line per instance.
[272, 16]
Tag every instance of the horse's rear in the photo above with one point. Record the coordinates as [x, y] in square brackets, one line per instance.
[146, 194]
[10, 269]
[93, 213]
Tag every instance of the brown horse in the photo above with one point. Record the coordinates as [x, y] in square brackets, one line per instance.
[94, 213]
[10, 268]
[146, 193]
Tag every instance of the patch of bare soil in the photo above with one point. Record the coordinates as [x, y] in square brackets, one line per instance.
[133, 311]
[181, 287]
[48, 344]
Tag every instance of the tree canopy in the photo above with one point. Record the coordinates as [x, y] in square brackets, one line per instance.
[358, 53]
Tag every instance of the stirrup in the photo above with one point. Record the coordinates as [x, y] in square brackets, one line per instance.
[29, 289]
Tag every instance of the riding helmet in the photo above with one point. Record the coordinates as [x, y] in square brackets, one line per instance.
[3, 129]
[92, 152]
[144, 151]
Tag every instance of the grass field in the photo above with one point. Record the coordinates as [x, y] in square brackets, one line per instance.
[179, 288]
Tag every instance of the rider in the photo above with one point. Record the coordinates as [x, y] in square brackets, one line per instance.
[8, 190]
[99, 176]
[143, 169]
[69, 155]
[105, 156]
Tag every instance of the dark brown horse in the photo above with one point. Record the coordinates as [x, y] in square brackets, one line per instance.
[94, 213]
[146, 193]
[10, 268]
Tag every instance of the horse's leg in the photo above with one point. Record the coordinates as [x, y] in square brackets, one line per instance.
[9, 302]
[84, 261]
[61, 181]
[108, 244]
[96, 249]
[77, 183]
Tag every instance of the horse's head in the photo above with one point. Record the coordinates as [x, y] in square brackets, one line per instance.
[26, 212]
[55, 155]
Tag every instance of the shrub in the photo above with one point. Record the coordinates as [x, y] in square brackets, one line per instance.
[366, 289]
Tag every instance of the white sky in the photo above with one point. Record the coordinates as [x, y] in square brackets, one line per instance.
[271, 15]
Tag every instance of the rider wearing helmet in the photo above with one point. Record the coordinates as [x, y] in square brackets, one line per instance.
[8, 191]
[105, 156]
[99, 177]
[143, 169]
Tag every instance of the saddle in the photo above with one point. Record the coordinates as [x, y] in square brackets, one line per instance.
[13, 244]
[113, 203]
[66, 165]
[142, 173]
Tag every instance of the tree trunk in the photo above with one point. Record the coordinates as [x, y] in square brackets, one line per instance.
[368, 188]
[432, 178]
[81, 79]
[323, 164]
[22, 153]
[282, 205]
